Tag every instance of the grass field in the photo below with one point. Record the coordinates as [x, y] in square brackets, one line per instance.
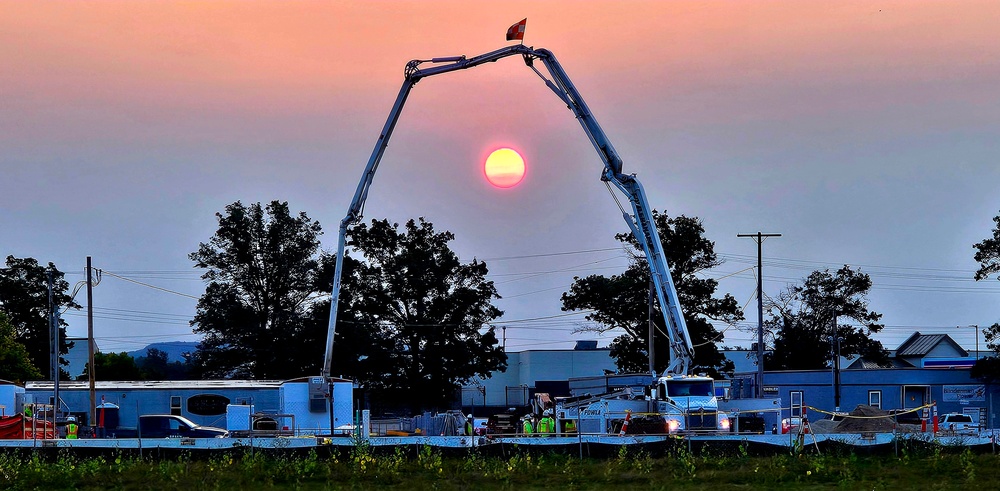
[425, 468]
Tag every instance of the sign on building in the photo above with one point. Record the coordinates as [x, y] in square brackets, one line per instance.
[959, 393]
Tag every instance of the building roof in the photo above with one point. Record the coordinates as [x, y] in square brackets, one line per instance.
[147, 384]
[922, 344]
[866, 364]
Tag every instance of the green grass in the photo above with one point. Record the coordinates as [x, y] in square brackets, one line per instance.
[428, 469]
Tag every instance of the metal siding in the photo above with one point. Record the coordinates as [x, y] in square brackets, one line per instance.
[922, 345]
[818, 391]
[132, 401]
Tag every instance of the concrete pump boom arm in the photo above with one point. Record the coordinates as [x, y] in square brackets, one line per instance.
[640, 222]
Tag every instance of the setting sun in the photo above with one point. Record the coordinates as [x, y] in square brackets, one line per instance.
[504, 168]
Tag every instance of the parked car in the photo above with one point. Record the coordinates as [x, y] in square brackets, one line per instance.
[957, 423]
[168, 426]
[791, 425]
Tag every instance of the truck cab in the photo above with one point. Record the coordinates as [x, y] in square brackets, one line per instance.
[688, 403]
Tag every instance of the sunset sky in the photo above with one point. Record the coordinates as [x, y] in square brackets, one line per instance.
[865, 132]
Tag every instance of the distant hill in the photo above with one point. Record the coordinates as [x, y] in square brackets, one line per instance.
[173, 349]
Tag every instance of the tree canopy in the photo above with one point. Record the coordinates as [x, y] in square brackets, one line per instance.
[265, 272]
[802, 318]
[113, 366]
[420, 315]
[24, 297]
[622, 301]
[122, 366]
[15, 364]
[154, 365]
[988, 254]
[412, 320]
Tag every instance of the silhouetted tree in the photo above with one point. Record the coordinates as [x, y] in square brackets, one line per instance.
[24, 297]
[265, 273]
[112, 366]
[988, 254]
[15, 364]
[421, 316]
[622, 301]
[155, 365]
[803, 317]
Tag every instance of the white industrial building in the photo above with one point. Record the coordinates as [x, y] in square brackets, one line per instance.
[533, 371]
[550, 370]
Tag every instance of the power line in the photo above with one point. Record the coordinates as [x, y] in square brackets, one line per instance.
[165, 314]
[580, 312]
[133, 319]
[148, 285]
[551, 254]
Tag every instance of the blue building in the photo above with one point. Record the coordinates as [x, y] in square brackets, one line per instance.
[205, 402]
[924, 369]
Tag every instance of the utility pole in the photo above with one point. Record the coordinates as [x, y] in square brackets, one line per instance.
[54, 333]
[835, 357]
[759, 238]
[91, 419]
[52, 337]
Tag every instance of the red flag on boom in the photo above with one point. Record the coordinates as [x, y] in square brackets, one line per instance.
[516, 31]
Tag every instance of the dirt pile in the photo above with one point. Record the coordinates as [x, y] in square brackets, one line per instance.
[865, 418]
[822, 426]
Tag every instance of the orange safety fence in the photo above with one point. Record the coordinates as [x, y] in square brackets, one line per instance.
[18, 427]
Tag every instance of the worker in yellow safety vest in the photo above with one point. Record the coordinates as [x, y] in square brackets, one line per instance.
[547, 424]
[71, 429]
[526, 426]
[570, 426]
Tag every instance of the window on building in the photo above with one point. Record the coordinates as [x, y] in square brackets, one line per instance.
[175, 405]
[796, 398]
[208, 404]
[875, 398]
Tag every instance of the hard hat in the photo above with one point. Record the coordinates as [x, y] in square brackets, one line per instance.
[469, 416]
[71, 419]
[548, 412]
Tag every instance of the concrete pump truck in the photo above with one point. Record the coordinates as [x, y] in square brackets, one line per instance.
[677, 400]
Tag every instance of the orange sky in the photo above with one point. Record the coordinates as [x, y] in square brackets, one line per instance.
[281, 57]
[856, 128]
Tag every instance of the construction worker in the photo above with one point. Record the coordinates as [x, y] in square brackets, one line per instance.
[570, 426]
[526, 425]
[71, 428]
[547, 424]
[27, 411]
[469, 426]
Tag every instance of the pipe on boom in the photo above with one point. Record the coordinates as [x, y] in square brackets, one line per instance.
[640, 222]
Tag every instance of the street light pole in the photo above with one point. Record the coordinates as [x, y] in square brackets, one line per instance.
[976, 327]
[977, 341]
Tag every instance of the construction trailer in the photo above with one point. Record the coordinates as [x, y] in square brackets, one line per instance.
[205, 402]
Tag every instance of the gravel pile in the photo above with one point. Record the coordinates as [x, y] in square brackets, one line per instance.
[866, 418]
